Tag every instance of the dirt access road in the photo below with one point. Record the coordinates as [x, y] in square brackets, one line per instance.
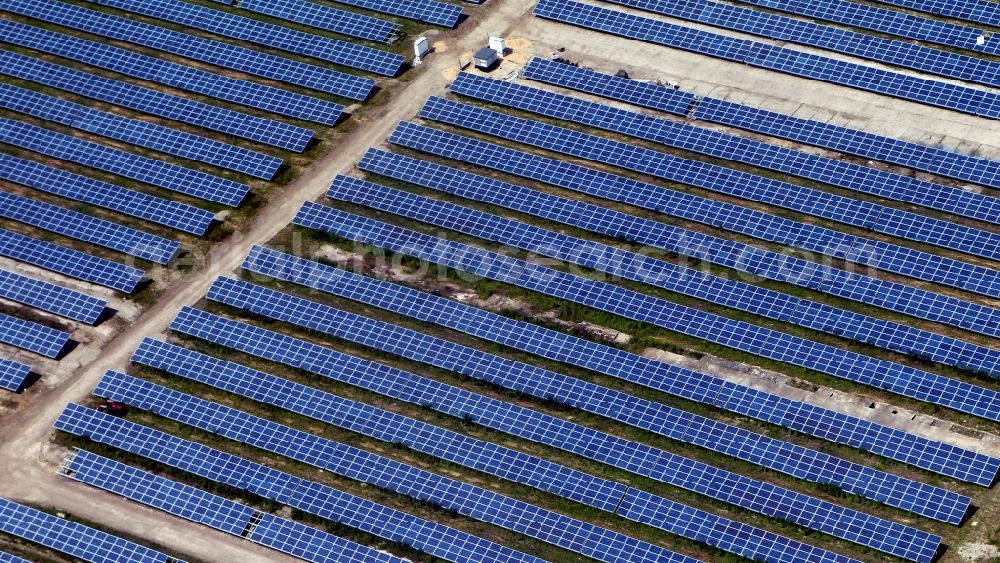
[28, 460]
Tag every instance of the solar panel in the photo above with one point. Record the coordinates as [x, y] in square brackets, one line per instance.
[139, 133]
[753, 339]
[882, 20]
[8, 558]
[702, 285]
[773, 26]
[642, 460]
[191, 46]
[278, 37]
[32, 336]
[558, 346]
[140, 66]
[109, 196]
[324, 17]
[83, 227]
[430, 11]
[897, 259]
[331, 504]
[293, 538]
[647, 415]
[71, 538]
[321, 406]
[147, 100]
[151, 171]
[969, 10]
[772, 265]
[904, 86]
[69, 262]
[13, 374]
[50, 297]
[469, 500]
[731, 147]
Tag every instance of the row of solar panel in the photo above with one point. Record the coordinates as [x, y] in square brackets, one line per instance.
[772, 26]
[469, 500]
[139, 133]
[194, 47]
[72, 186]
[677, 102]
[185, 501]
[32, 336]
[324, 17]
[76, 225]
[978, 11]
[94, 53]
[430, 11]
[741, 257]
[490, 458]
[874, 253]
[72, 538]
[278, 37]
[51, 298]
[143, 169]
[560, 347]
[69, 262]
[13, 374]
[913, 88]
[653, 417]
[858, 178]
[891, 22]
[888, 376]
[156, 103]
[688, 281]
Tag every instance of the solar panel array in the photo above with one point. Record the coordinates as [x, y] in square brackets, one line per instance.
[324, 17]
[746, 337]
[649, 462]
[688, 281]
[72, 538]
[32, 336]
[13, 374]
[278, 37]
[178, 108]
[140, 66]
[475, 502]
[878, 254]
[194, 47]
[817, 133]
[8, 558]
[109, 196]
[139, 133]
[313, 498]
[782, 28]
[654, 417]
[151, 171]
[531, 471]
[185, 501]
[76, 225]
[830, 171]
[430, 11]
[882, 20]
[772, 265]
[69, 262]
[970, 10]
[50, 297]
[904, 86]
[815, 421]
